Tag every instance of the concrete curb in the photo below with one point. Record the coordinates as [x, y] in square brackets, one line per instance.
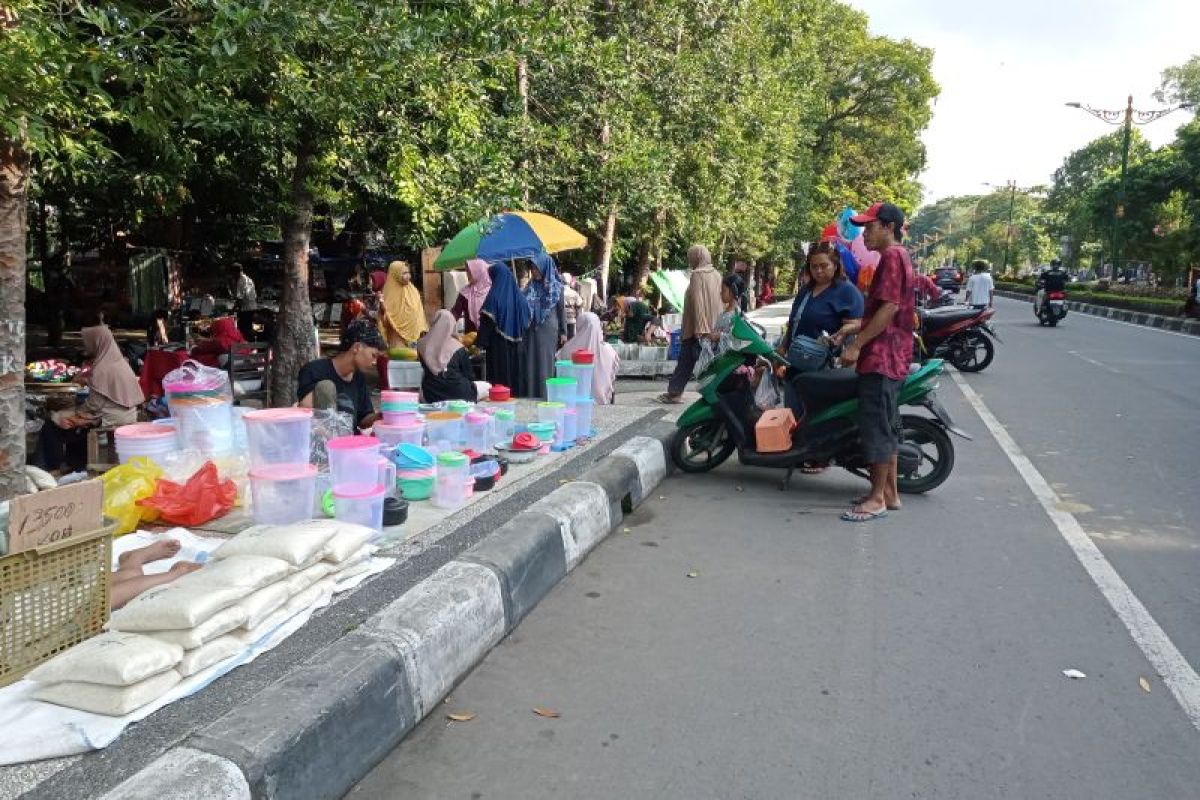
[317, 731]
[1177, 324]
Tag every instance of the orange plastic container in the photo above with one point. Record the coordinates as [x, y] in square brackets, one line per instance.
[773, 432]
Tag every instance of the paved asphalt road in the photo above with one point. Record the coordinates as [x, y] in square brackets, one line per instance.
[919, 656]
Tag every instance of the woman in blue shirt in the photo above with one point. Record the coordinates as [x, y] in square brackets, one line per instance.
[828, 303]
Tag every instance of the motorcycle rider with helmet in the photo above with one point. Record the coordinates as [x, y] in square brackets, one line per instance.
[1050, 280]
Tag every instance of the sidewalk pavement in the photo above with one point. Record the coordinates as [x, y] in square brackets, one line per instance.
[312, 716]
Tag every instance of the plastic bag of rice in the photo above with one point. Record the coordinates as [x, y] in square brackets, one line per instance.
[174, 606]
[307, 577]
[112, 659]
[262, 603]
[347, 542]
[205, 656]
[114, 701]
[247, 572]
[219, 623]
[296, 544]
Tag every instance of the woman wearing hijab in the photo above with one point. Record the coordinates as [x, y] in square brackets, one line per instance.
[634, 315]
[589, 335]
[503, 323]
[113, 397]
[701, 307]
[402, 317]
[572, 302]
[548, 329]
[447, 364]
[223, 335]
[470, 300]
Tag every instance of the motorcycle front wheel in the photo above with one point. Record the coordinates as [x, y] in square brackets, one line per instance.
[701, 447]
[972, 353]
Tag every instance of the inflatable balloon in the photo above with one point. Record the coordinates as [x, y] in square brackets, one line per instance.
[849, 262]
[865, 257]
[847, 229]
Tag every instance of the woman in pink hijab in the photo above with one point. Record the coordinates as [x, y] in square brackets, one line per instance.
[448, 374]
[470, 299]
[589, 335]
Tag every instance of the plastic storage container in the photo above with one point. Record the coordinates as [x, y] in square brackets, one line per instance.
[463, 407]
[544, 431]
[584, 408]
[773, 431]
[504, 420]
[388, 397]
[401, 417]
[283, 493]
[570, 427]
[412, 432]
[561, 390]
[552, 412]
[362, 507]
[479, 431]
[416, 484]
[405, 374]
[564, 369]
[279, 436]
[356, 464]
[154, 442]
[201, 402]
[584, 361]
[445, 430]
[453, 472]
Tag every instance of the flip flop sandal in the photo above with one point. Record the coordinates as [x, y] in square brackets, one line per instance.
[863, 516]
[858, 501]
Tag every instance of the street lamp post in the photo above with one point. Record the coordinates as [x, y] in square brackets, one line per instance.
[1126, 119]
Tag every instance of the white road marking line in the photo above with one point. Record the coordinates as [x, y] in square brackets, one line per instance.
[1093, 362]
[1178, 675]
[1082, 315]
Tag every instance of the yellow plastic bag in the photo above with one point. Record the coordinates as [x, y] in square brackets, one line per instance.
[124, 486]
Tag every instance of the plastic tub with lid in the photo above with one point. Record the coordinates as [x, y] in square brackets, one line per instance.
[561, 390]
[479, 431]
[584, 408]
[362, 506]
[584, 361]
[356, 461]
[283, 493]
[445, 429]
[453, 472]
[389, 435]
[505, 422]
[279, 435]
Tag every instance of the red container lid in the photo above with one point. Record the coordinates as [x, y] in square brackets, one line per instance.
[583, 357]
[500, 393]
[526, 441]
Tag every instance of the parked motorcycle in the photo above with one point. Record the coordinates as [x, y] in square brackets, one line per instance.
[1052, 309]
[958, 334]
[722, 420]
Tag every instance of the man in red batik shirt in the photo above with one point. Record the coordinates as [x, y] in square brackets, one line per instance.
[882, 351]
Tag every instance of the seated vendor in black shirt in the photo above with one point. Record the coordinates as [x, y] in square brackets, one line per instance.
[340, 380]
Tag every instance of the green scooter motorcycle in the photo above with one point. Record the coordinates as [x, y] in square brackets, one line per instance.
[723, 420]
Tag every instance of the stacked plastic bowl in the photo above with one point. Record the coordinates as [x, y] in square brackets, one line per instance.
[416, 474]
[146, 439]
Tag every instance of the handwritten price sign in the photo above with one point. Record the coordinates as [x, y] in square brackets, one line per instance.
[55, 516]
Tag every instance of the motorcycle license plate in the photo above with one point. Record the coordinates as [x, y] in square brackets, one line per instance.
[934, 405]
[1056, 303]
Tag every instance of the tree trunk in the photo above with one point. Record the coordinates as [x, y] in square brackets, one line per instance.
[294, 342]
[604, 257]
[14, 182]
[523, 92]
[643, 265]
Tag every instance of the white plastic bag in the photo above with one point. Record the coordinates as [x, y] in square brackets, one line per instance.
[348, 542]
[261, 604]
[112, 659]
[248, 572]
[307, 577]
[203, 657]
[174, 606]
[220, 623]
[769, 393]
[296, 544]
[114, 701]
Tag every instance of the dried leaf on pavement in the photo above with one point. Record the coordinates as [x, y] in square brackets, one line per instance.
[464, 717]
[693, 574]
[1145, 684]
[549, 713]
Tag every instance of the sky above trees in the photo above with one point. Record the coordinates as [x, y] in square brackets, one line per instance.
[1007, 70]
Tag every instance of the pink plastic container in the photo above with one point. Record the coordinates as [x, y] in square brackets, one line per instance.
[355, 461]
[401, 417]
[391, 435]
[399, 397]
[144, 439]
[279, 435]
[361, 506]
[283, 493]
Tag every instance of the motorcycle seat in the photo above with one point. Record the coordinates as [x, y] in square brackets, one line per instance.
[825, 387]
[942, 317]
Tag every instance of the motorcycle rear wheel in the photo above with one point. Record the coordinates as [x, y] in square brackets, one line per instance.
[973, 353]
[937, 456]
[701, 447]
